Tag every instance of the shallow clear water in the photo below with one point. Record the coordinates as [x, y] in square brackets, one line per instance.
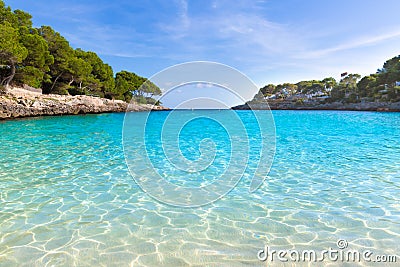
[67, 198]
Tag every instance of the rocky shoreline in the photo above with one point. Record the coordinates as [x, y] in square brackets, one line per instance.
[19, 103]
[289, 105]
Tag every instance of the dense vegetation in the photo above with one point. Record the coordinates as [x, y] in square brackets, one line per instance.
[384, 85]
[43, 58]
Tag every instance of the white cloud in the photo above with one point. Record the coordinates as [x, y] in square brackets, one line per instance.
[236, 30]
[178, 28]
[204, 85]
[356, 43]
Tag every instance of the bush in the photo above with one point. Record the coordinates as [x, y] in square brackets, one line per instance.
[75, 91]
[61, 91]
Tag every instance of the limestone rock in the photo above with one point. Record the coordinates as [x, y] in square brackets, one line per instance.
[18, 102]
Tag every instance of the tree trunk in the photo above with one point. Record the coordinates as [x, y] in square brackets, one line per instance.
[9, 78]
[54, 83]
[71, 81]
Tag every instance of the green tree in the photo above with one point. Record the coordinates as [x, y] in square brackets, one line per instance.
[268, 89]
[390, 72]
[78, 70]
[392, 65]
[347, 89]
[149, 89]
[304, 86]
[22, 19]
[6, 15]
[329, 83]
[286, 89]
[349, 83]
[129, 85]
[367, 86]
[34, 67]
[101, 78]
[12, 51]
[312, 86]
[62, 53]
[350, 80]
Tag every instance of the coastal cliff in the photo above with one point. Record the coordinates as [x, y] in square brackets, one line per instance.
[18, 103]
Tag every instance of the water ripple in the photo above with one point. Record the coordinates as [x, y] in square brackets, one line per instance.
[66, 197]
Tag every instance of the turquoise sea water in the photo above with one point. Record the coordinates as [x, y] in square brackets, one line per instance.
[67, 197]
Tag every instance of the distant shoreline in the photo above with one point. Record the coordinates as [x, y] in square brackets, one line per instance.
[289, 105]
[21, 103]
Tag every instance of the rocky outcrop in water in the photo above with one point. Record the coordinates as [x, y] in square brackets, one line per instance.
[18, 102]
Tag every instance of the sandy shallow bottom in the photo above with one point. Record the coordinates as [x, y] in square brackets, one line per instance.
[67, 198]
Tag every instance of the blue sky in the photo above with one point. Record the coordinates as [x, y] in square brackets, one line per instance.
[270, 41]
